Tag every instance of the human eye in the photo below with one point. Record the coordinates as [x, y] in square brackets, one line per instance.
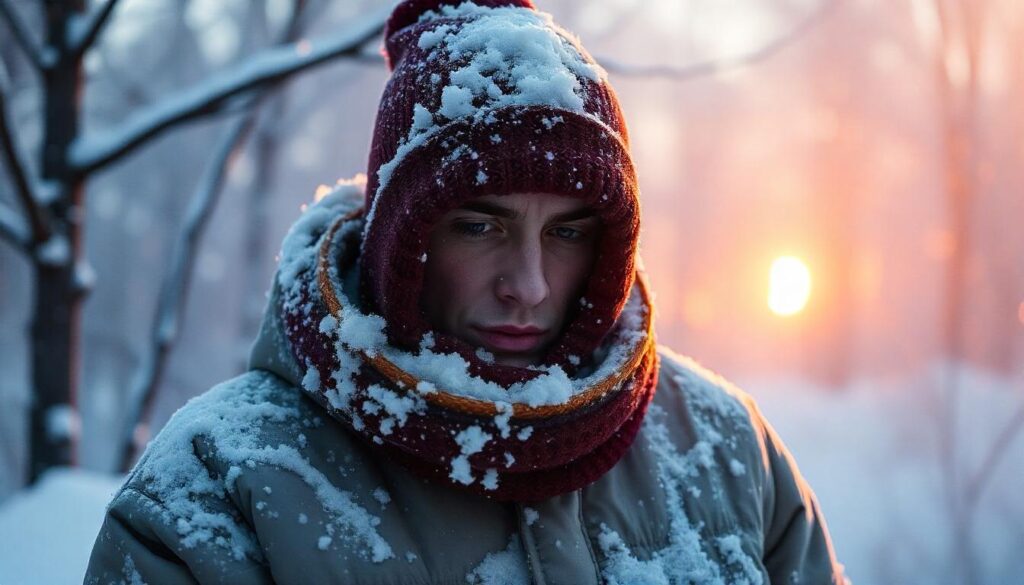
[568, 233]
[472, 228]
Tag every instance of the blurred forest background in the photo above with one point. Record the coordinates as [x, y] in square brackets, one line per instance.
[881, 142]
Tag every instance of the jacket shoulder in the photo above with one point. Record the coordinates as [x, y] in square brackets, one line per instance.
[713, 405]
[178, 476]
[250, 473]
[175, 520]
[764, 493]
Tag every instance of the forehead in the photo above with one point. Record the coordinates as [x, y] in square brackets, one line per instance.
[519, 205]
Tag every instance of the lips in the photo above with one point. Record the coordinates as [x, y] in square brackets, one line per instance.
[511, 338]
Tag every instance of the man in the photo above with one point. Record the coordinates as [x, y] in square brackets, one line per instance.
[457, 381]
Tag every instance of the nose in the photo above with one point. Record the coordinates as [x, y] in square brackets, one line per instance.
[522, 280]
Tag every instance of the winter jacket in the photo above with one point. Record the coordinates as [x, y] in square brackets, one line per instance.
[252, 482]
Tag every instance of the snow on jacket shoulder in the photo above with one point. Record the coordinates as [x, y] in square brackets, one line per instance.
[253, 483]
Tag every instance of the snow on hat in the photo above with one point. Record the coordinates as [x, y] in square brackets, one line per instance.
[492, 98]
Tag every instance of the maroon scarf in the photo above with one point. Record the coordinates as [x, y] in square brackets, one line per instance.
[505, 450]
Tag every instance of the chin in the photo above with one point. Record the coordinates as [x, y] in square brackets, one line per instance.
[519, 361]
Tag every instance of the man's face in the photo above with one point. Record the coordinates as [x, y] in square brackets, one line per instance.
[503, 271]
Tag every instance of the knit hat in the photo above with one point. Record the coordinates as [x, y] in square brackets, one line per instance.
[492, 98]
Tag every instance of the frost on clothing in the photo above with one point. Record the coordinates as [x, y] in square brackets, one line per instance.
[430, 407]
[359, 331]
[508, 57]
[672, 511]
[228, 420]
[507, 567]
[692, 556]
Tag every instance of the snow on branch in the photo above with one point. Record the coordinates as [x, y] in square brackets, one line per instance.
[269, 66]
[88, 28]
[36, 214]
[173, 290]
[22, 35]
[13, 229]
[722, 65]
[167, 320]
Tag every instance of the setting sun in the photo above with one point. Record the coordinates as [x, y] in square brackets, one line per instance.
[789, 286]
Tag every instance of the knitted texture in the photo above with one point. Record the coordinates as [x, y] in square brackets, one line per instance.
[492, 99]
[525, 457]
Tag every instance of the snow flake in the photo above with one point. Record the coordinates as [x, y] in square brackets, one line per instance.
[55, 251]
[382, 496]
[328, 324]
[62, 422]
[501, 420]
[456, 102]
[490, 480]
[422, 119]
[502, 568]
[732, 549]
[460, 470]
[431, 38]
[311, 381]
[130, 573]
[470, 440]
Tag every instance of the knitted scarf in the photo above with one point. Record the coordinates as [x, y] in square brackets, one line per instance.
[545, 435]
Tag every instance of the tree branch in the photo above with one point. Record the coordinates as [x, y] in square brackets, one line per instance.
[997, 450]
[718, 66]
[267, 67]
[36, 214]
[90, 27]
[22, 35]
[173, 291]
[167, 320]
[13, 229]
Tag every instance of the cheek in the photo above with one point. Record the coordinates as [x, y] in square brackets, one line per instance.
[569, 276]
[453, 282]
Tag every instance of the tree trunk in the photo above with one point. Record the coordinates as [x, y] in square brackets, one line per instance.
[58, 294]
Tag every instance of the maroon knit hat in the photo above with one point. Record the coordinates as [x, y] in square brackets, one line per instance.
[492, 98]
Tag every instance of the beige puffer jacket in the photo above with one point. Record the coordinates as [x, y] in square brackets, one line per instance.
[252, 482]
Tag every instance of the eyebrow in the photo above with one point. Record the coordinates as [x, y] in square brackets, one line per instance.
[490, 209]
[508, 213]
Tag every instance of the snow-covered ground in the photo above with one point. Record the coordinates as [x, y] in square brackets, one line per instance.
[46, 533]
[870, 450]
[872, 453]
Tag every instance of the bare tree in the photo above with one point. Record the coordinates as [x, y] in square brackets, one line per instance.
[958, 42]
[720, 65]
[957, 65]
[48, 228]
